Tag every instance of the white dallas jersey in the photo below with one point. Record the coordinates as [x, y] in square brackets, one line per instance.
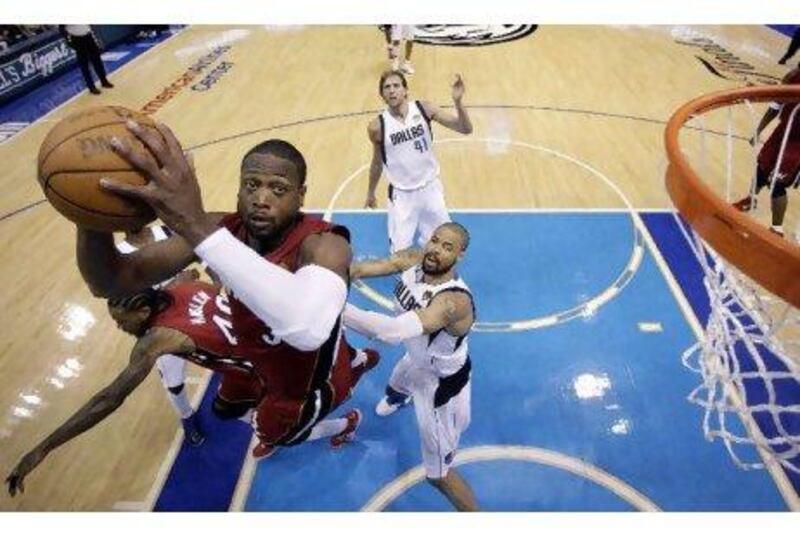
[440, 351]
[407, 148]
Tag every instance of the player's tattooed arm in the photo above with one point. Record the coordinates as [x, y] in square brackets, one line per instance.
[449, 310]
[397, 262]
[110, 274]
[155, 343]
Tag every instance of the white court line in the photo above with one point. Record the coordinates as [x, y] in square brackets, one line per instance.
[408, 479]
[586, 309]
[480, 210]
[245, 481]
[43, 118]
[778, 475]
[175, 448]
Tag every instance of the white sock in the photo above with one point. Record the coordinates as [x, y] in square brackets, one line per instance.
[247, 418]
[328, 428]
[359, 359]
[181, 403]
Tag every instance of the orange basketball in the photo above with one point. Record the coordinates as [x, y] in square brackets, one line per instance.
[77, 154]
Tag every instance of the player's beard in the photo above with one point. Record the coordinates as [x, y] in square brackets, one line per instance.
[436, 267]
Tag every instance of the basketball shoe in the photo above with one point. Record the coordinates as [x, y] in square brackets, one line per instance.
[263, 450]
[748, 203]
[365, 360]
[192, 432]
[353, 420]
[391, 402]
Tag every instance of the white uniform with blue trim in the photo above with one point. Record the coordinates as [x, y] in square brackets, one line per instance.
[435, 372]
[416, 195]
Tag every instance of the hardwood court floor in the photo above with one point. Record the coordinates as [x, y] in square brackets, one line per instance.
[596, 95]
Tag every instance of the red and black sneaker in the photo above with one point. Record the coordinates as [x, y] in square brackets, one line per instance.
[263, 450]
[748, 203]
[353, 420]
[370, 361]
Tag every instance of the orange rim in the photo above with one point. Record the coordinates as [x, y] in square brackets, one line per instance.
[771, 261]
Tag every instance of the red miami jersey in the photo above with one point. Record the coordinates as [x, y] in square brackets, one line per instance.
[318, 380]
[201, 312]
[768, 156]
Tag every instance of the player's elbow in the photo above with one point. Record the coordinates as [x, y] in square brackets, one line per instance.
[467, 129]
[308, 339]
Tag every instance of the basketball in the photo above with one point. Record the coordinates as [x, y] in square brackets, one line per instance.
[77, 154]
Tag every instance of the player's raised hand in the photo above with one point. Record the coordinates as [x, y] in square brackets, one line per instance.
[172, 190]
[458, 88]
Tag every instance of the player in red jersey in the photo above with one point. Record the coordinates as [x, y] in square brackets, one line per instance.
[287, 273]
[786, 172]
[190, 320]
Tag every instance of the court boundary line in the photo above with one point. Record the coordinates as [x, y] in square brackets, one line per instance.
[245, 482]
[585, 309]
[778, 475]
[177, 442]
[395, 488]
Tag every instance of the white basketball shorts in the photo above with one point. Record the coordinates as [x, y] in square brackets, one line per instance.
[419, 211]
[440, 428]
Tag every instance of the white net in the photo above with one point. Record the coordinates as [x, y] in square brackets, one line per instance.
[749, 355]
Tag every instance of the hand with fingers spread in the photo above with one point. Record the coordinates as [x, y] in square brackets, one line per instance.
[172, 190]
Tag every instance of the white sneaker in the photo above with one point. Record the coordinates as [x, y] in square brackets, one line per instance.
[384, 408]
[407, 68]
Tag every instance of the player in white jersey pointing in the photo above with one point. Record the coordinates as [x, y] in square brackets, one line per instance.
[436, 313]
[402, 143]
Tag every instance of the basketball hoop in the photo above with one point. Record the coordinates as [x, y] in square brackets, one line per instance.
[749, 356]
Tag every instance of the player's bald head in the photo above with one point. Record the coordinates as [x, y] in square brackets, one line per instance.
[460, 231]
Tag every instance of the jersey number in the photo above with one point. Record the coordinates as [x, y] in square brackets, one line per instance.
[224, 324]
[421, 145]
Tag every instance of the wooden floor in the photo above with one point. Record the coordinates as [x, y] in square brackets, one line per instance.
[594, 94]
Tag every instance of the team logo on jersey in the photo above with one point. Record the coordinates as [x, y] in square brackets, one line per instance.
[470, 34]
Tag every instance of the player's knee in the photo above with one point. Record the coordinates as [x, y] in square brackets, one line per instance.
[229, 410]
[176, 390]
[779, 191]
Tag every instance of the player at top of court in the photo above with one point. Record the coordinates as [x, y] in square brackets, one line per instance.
[402, 144]
[287, 272]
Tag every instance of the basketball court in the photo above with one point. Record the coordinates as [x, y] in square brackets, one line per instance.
[587, 289]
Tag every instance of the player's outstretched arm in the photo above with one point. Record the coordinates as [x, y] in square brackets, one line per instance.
[449, 310]
[110, 274]
[147, 349]
[460, 122]
[397, 262]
